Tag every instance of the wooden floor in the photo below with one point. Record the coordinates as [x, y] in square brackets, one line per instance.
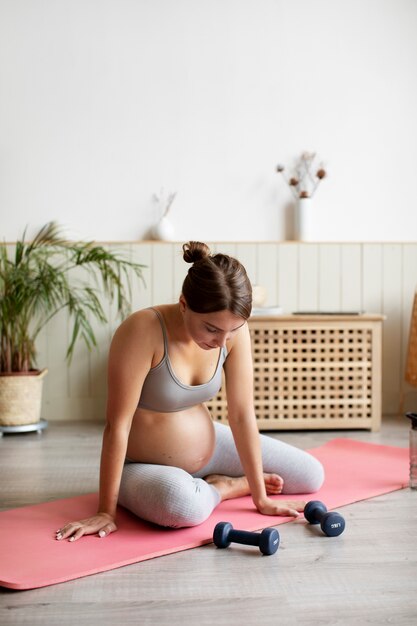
[368, 575]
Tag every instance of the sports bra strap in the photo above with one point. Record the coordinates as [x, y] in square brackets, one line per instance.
[164, 332]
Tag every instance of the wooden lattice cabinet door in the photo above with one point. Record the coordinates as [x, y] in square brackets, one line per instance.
[314, 372]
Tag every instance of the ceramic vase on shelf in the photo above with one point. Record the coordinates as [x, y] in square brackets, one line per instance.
[259, 296]
[304, 220]
[163, 230]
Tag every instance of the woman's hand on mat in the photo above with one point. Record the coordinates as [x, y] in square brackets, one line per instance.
[102, 524]
[286, 508]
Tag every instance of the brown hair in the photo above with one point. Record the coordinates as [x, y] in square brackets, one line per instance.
[215, 282]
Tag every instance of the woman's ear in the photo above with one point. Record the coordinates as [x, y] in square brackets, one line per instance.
[182, 303]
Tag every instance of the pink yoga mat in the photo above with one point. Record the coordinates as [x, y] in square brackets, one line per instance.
[31, 557]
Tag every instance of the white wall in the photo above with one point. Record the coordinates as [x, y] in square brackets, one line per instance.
[103, 102]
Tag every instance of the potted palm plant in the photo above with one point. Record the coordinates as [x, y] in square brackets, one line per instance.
[38, 279]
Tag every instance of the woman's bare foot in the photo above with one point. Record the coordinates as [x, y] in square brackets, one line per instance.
[231, 487]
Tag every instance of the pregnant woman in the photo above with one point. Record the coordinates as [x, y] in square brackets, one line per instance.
[163, 457]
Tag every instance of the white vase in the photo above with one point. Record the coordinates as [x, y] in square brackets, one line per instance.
[305, 222]
[259, 296]
[163, 230]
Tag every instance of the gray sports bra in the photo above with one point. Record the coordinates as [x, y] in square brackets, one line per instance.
[163, 392]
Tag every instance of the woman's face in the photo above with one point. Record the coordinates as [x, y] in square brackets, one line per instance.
[210, 330]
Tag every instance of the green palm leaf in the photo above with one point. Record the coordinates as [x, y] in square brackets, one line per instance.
[51, 274]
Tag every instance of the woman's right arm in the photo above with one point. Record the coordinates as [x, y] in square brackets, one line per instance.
[130, 358]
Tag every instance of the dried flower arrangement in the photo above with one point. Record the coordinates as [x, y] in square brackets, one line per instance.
[306, 178]
[164, 202]
[163, 230]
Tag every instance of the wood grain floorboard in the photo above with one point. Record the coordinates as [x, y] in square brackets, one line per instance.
[368, 575]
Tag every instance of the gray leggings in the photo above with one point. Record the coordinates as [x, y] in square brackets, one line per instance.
[170, 496]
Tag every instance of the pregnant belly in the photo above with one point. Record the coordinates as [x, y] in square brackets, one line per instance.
[183, 439]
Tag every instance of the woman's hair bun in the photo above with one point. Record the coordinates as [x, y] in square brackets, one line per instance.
[195, 251]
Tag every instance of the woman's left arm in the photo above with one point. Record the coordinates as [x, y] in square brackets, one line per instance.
[242, 420]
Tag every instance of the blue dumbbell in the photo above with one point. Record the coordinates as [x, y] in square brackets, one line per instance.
[332, 524]
[267, 541]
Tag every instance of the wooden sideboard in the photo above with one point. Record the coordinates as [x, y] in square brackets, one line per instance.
[314, 372]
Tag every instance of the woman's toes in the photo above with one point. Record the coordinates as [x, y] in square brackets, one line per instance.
[273, 483]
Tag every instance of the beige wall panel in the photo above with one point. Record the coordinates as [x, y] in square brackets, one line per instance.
[351, 277]
[267, 271]
[379, 278]
[329, 284]
[180, 270]
[372, 287]
[288, 277]
[246, 253]
[79, 367]
[141, 290]
[56, 383]
[409, 288]
[392, 329]
[225, 247]
[308, 277]
[162, 272]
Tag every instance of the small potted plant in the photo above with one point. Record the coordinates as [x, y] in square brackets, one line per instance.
[38, 279]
